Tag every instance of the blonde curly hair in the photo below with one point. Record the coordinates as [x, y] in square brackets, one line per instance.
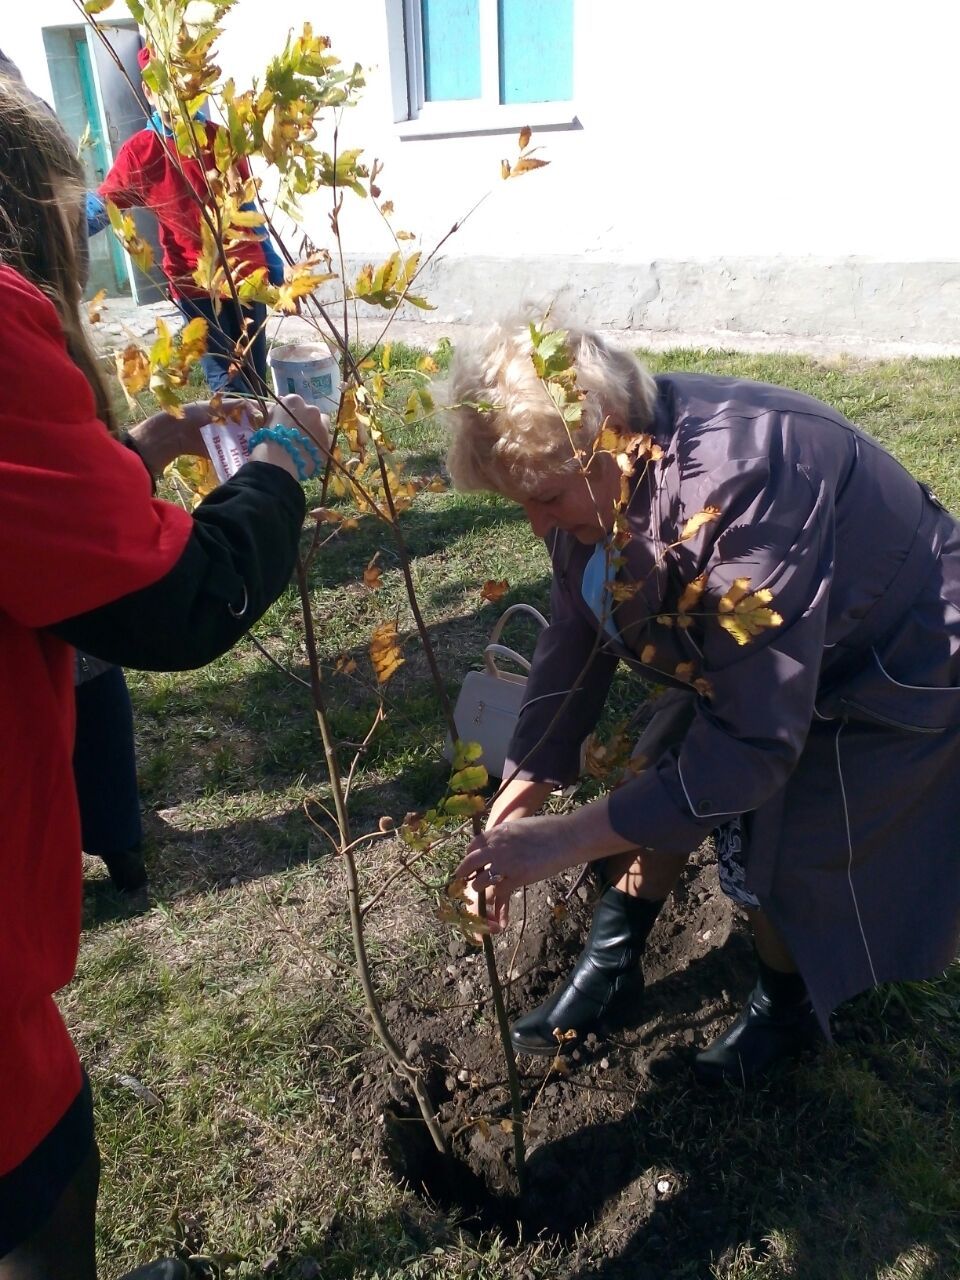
[507, 434]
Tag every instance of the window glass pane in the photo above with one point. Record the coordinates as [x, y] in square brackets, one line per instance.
[536, 50]
[451, 49]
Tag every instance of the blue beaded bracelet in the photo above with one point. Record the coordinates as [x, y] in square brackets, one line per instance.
[293, 441]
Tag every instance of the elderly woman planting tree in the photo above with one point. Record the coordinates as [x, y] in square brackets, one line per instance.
[746, 545]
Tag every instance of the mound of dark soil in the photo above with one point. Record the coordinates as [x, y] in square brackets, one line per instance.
[581, 1147]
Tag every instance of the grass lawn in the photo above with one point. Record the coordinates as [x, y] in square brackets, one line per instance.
[224, 1031]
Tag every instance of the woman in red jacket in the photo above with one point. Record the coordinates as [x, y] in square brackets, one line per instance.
[89, 558]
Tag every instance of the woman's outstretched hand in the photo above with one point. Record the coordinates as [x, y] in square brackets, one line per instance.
[506, 858]
[524, 850]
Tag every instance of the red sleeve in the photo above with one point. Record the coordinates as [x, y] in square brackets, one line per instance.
[126, 183]
[79, 526]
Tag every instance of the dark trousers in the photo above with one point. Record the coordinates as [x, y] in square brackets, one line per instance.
[105, 767]
[225, 328]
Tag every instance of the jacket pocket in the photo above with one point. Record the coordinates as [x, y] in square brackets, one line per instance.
[875, 696]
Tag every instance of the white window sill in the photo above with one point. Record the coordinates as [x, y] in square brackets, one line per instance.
[459, 119]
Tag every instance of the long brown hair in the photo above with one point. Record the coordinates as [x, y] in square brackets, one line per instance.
[42, 220]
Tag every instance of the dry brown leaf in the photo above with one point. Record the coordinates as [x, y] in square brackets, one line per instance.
[494, 589]
[647, 654]
[526, 133]
[371, 574]
[525, 164]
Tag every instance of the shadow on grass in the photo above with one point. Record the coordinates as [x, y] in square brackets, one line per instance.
[426, 530]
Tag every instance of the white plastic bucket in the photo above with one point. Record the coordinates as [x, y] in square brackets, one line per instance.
[307, 369]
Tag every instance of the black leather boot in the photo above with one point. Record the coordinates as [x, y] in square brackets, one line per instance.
[127, 870]
[776, 1023]
[606, 982]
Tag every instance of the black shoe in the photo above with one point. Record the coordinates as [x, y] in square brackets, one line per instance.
[127, 871]
[606, 982]
[776, 1024]
[166, 1269]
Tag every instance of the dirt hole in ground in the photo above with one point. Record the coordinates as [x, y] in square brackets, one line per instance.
[582, 1149]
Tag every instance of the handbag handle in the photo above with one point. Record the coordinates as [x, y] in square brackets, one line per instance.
[495, 650]
[508, 613]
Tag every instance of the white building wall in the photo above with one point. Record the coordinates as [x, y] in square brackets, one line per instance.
[753, 164]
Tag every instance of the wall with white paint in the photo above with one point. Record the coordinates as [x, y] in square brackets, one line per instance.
[791, 140]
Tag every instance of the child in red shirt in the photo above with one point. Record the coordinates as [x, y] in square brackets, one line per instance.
[149, 172]
[89, 558]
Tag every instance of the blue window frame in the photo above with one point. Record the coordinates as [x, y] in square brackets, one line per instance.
[491, 53]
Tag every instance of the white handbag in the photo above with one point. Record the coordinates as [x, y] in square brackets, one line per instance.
[490, 700]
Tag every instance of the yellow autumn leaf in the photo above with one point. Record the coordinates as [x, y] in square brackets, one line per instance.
[692, 592]
[684, 671]
[133, 369]
[427, 364]
[94, 305]
[196, 474]
[748, 616]
[731, 598]
[300, 285]
[622, 591]
[385, 651]
[696, 522]
[193, 339]
[246, 218]
[609, 439]
[371, 574]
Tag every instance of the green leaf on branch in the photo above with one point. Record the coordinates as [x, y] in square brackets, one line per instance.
[465, 753]
[462, 806]
[472, 778]
[344, 172]
[385, 286]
